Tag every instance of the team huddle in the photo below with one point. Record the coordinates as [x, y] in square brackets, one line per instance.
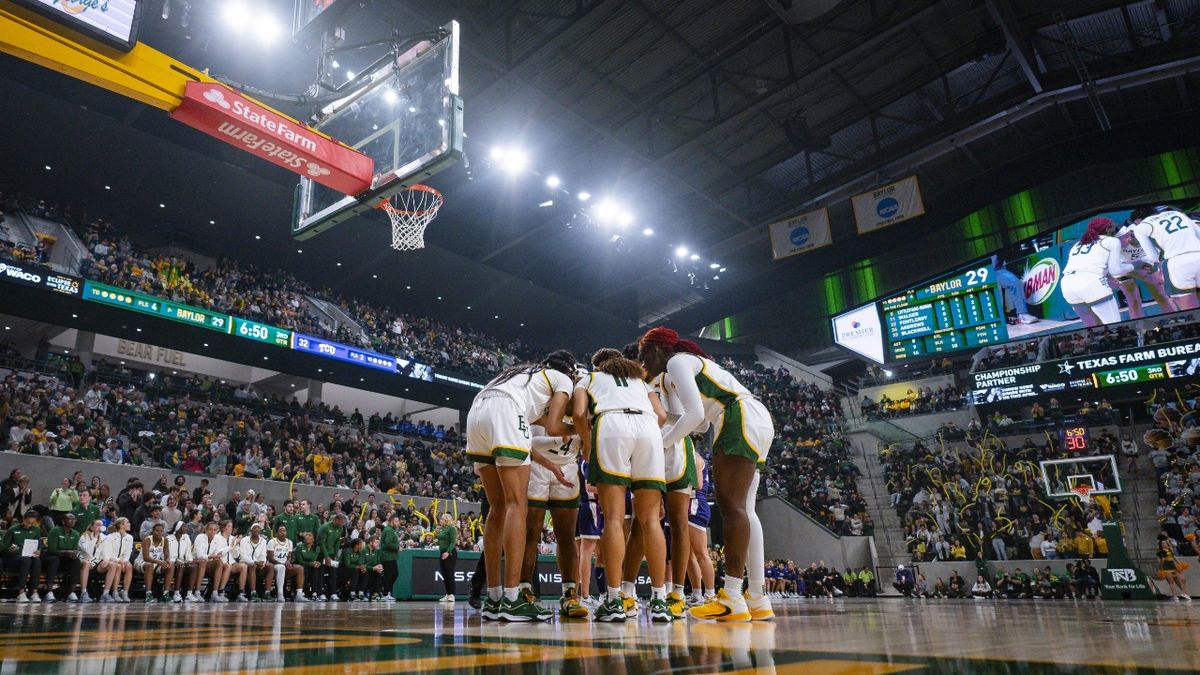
[607, 449]
[1158, 246]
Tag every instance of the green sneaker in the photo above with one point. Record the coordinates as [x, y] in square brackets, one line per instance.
[520, 610]
[660, 612]
[491, 609]
[611, 611]
[149, 598]
[255, 598]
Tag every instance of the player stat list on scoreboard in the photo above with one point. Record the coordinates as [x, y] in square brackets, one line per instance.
[955, 312]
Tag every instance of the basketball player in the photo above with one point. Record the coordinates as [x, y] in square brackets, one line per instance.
[498, 442]
[554, 484]
[1095, 257]
[1173, 237]
[1132, 254]
[589, 525]
[744, 431]
[680, 463]
[700, 567]
[624, 450]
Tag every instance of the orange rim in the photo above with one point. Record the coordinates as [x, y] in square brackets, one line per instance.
[386, 203]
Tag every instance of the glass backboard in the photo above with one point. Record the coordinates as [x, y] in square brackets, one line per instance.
[408, 118]
[1060, 477]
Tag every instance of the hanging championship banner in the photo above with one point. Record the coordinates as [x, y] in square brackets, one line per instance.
[888, 205]
[800, 233]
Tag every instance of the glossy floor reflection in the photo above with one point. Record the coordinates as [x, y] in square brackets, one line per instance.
[851, 636]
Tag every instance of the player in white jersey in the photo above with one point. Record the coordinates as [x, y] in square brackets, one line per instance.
[680, 464]
[621, 441]
[554, 484]
[744, 432]
[1173, 237]
[498, 442]
[1093, 259]
[1133, 254]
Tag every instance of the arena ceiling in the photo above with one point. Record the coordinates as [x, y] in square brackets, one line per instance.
[708, 119]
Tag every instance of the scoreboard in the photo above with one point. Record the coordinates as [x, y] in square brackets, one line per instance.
[951, 313]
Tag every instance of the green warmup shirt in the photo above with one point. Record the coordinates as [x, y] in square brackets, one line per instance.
[389, 545]
[63, 539]
[447, 537]
[329, 540]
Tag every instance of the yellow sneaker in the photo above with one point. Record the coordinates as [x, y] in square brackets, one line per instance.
[570, 607]
[760, 607]
[632, 607]
[676, 605]
[723, 607]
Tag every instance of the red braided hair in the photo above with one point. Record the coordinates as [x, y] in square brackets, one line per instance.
[669, 339]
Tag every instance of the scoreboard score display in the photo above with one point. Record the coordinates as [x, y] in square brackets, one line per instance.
[955, 312]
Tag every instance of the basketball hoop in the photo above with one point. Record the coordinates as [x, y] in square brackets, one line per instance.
[1084, 492]
[410, 210]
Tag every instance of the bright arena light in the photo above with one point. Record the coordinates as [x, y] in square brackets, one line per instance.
[584, 196]
[236, 15]
[497, 152]
[390, 95]
[713, 266]
[647, 232]
[553, 181]
[349, 74]
[268, 29]
[681, 252]
[624, 219]
[605, 211]
[695, 256]
[515, 161]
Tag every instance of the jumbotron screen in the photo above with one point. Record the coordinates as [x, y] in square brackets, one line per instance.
[1059, 281]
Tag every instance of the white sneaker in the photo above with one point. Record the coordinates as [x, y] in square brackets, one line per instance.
[760, 607]
[176, 597]
[218, 597]
[243, 598]
[21, 597]
[123, 596]
[1027, 318]
[85, 597]
[72, 598]
[48, 597]
[321, 598]
[300, 597]
[107, 597]
[447, 598]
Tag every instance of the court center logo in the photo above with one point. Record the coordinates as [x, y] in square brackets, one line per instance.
[887, 207]
[1040, 280]
[800, 236]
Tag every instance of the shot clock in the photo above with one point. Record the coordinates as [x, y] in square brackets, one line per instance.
[1074, 439]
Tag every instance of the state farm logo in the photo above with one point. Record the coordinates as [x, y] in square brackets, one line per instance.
[1040, 281]
[217, 96]
[15, 272]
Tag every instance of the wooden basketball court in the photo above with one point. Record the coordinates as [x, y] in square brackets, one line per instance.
[850, 636]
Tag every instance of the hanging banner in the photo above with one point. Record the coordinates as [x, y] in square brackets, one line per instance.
[800, 234]
[888, 205]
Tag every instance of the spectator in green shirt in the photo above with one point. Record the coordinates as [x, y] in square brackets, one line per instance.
[63, 557]
[63, 500]
[307, 556]
[86, 512]
[329, 547]
[447, 539]
[289, 520]
[28, 569]
[354, 569]
[307, 521]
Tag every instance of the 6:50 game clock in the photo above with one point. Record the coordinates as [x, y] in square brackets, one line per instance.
[1074, 439]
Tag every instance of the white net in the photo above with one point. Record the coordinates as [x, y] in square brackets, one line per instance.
[410, 211]
[1083, 492]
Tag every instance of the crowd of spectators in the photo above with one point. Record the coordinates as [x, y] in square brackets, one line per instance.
[810, 462]
[269, 296]
[86, 542]
[919, 401]
[204, 426]
[982, 500]
[1079, 580]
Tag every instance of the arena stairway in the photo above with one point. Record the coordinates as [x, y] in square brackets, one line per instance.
[68, 250]
[889, 535]
[334, 314]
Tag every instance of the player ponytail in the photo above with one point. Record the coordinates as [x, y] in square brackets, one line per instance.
[1097, 227]
[669, 340]
[608, 360]
[562, 360]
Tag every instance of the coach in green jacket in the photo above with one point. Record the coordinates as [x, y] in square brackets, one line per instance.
[389, 551]
[86, 512]
[306, 520]
[62, 556]
[27, 568]
[288, 520]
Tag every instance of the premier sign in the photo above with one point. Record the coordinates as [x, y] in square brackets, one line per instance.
[228, 116]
